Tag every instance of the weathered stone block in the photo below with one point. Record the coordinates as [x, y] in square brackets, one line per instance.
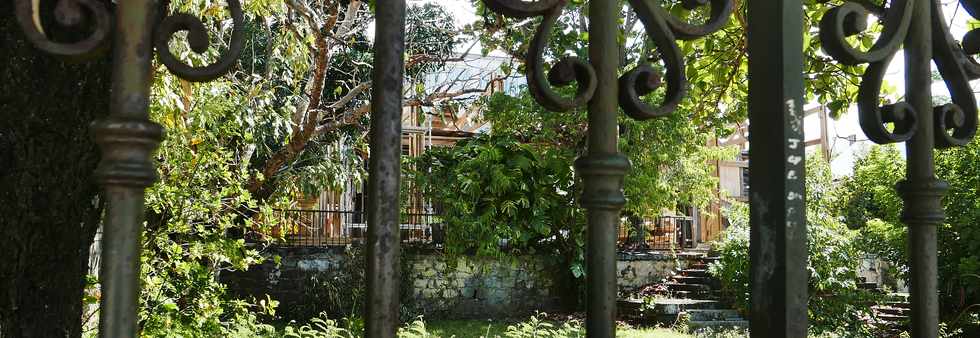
[419, 284]
[428, 272]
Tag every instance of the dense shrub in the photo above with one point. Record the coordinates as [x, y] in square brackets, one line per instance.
[499, 196]
[534, 328]
[959, 238]
[870, 203]
[498, 193]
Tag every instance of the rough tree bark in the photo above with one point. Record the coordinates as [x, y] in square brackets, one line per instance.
[49, 210]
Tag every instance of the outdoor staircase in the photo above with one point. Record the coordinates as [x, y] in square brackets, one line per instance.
[693, 295]
[694, 282]
[891, 317]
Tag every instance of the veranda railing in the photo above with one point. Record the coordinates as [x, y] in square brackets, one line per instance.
[322, 228]
[660, 233]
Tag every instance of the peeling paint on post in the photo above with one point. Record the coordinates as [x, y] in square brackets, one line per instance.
[383, 245]
[776, 168]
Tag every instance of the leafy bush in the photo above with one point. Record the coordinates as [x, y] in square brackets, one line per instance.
[190, 212]
[499, 196]
[870, 203]
[667, 155]
[496, 190]
[537, 328]
[733, 268]
[321, 327]
[415, 329]
[959, 238]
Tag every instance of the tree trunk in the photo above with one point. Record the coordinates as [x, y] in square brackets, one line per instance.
[49, 209]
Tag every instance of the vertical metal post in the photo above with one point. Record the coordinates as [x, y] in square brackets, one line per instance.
[921, 190]
[385, 171]
[127, 138]
[778, 236]
[602, 170]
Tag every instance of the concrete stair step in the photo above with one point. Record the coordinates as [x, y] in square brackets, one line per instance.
[904, 305]
[687, 287]
[683, 294]
[664, 307]
[674, 306]
[890, 310]
[898, 297]
[691, 279]
[709, 259]
[695, 273]
[705, 315]
[719, 324]
[892, 318]
[692, 295]
[691, 255]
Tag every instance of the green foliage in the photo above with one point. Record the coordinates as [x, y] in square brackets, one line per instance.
[494, 190]
[244, 325]
[733, 268]
[870, 203]
[669, 156]
[959, 238]
[338, 294]
[415, 329]
[430, 31]
[517, 185]
[323, 327]
[835, 303]
[716, 65]
[185, 242]
[887, 241]
[870, 190]
[220, 136]
[537, 328]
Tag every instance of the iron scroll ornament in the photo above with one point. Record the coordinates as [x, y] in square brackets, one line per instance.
[73, 13]
[956, 122]
[663, 28]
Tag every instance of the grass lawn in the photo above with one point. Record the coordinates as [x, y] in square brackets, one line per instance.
[492, 329]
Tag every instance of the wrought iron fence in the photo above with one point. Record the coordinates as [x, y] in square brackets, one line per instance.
[775, 100]
[661, 233]
[319, 228]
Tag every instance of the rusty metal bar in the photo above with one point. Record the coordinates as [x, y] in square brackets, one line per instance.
[603, 169]
[127, 138]
[385, 171]
[921, 190]
[778, 223]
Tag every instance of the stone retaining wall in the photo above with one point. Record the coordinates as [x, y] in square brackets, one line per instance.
[434, 285]
[637, 269]
[469, 287]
